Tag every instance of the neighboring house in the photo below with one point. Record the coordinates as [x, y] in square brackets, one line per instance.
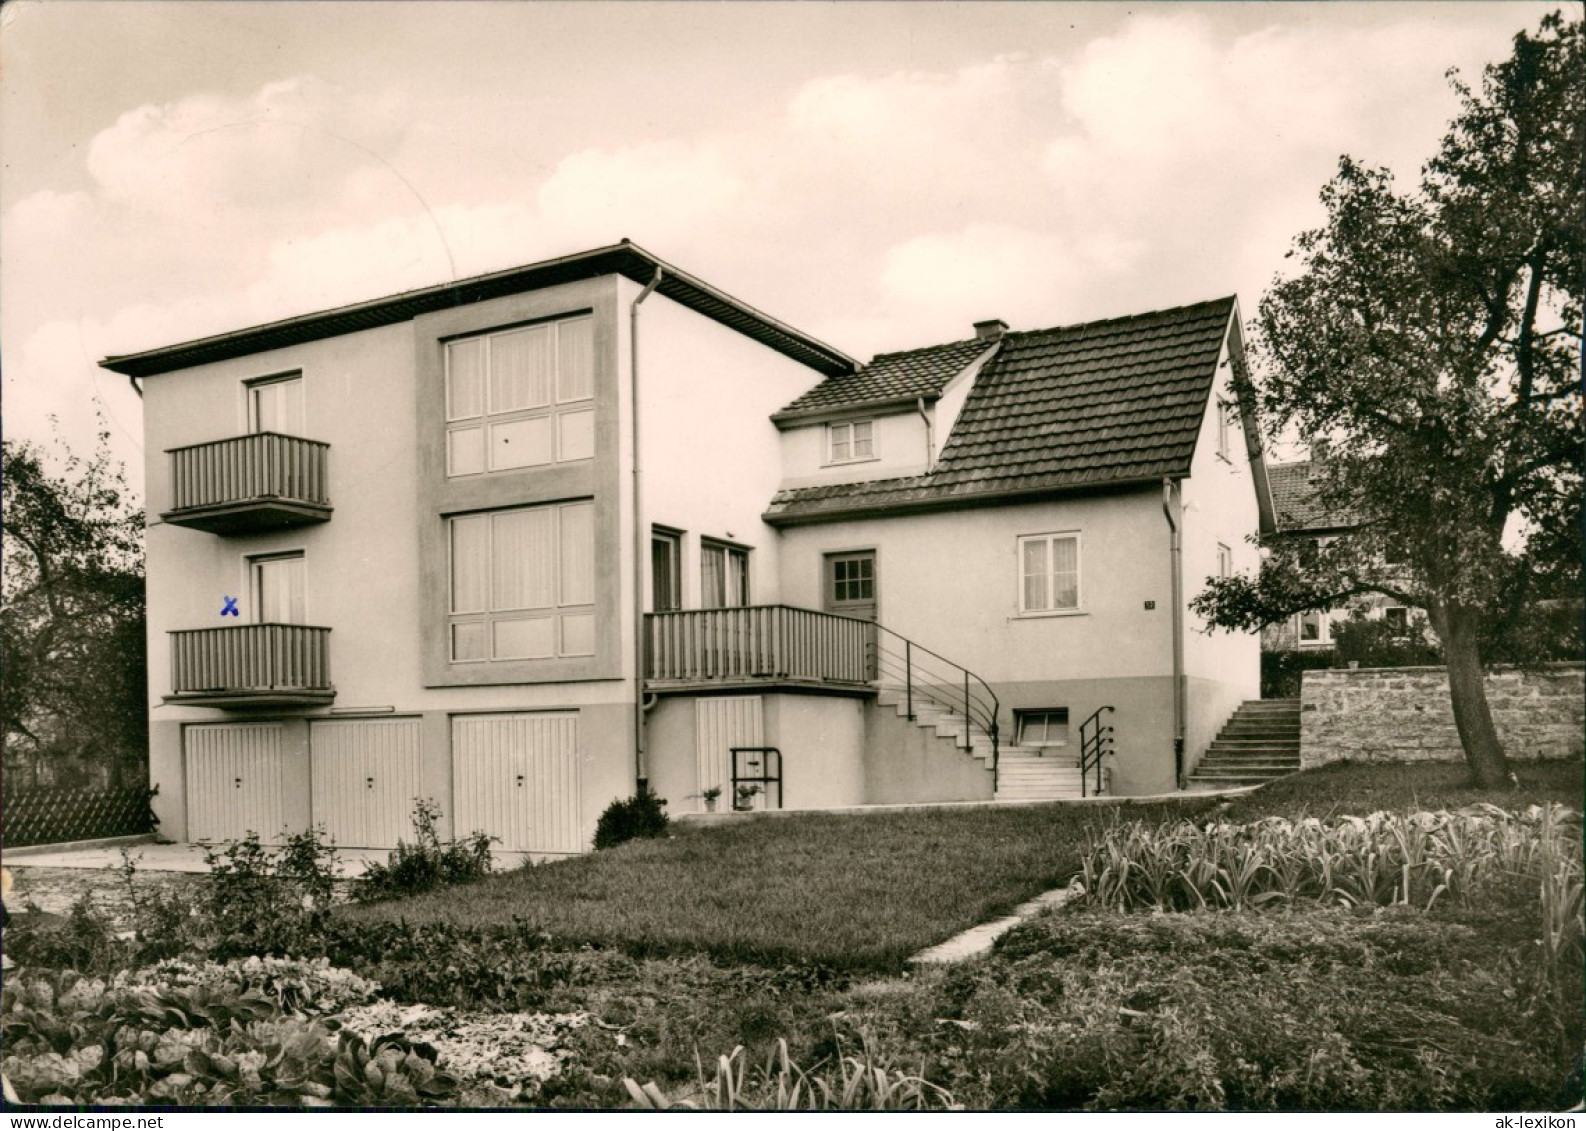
[1300, 515]
[522, 542]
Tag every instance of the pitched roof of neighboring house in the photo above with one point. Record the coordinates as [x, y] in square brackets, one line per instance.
[626, 258]
[890, 377]
[1295, 502]
[1099, 404]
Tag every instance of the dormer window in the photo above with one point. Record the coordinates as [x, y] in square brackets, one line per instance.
[851, 441]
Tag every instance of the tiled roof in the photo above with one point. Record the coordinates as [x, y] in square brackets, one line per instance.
[1295, 502]
[892, 376]
[1077, 406]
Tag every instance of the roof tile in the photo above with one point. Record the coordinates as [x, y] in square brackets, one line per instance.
[893, 376]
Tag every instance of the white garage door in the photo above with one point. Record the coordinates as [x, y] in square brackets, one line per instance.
[516, 778]
[234, 781]
[366, 775]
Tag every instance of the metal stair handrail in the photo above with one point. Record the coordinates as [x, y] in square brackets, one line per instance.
[1095, 742]
[954, 689]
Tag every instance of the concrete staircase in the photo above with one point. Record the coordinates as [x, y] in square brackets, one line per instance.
[1259, 743]
[1024, 773]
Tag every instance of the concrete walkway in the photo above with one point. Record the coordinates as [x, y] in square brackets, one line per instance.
[150, 857]
[977, 940]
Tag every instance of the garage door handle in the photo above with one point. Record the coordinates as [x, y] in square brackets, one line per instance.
[370, 781]
[520, 781]
[239, 783]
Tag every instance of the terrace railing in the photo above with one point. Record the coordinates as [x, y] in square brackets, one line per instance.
[755, 642]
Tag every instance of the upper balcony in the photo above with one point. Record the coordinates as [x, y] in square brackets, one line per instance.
[261, 481]
[252, 665]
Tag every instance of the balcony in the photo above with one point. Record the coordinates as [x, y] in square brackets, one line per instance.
[252, 665]
[262, 481]
[758, 645]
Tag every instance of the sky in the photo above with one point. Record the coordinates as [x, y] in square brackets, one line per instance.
[879, 175]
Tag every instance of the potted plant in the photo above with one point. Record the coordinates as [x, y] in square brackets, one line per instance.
[710, 795]
[745, 797]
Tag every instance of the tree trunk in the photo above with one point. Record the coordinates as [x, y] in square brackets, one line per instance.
[1467, 690]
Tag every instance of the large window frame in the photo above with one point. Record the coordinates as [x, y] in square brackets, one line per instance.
[490, 405]
[262, 592]
[723, 574]
[1323, 632]
[484, 616]
[1052, 596]
[276, 404]
[851, 441]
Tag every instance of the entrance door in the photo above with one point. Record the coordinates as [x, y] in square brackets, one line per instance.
[850, 591]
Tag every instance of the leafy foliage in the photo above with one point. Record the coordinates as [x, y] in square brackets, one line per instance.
[427, 863]
[1433, 337]
[1382, 644]
[73, 684]
[643, 815]
[260, 900]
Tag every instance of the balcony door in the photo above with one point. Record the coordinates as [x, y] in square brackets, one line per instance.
[276, 406]
[849, 590]
[278, 587]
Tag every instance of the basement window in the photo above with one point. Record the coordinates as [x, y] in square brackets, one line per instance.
[1047, 726]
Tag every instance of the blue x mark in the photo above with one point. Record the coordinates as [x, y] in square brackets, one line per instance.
[230, 609]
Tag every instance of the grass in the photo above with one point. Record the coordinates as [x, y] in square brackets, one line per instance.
[862, 893]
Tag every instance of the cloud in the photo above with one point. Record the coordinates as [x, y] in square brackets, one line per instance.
[655, 193]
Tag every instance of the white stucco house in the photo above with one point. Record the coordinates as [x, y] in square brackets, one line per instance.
[523, 542]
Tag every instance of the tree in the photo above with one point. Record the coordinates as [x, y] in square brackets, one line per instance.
[1433, 337]
[73, 685]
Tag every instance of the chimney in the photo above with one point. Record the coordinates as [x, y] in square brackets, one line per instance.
[991, 330]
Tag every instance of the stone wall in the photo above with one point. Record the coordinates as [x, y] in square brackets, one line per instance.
[1404, 715]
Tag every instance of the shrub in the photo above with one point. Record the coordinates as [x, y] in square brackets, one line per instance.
[639, 816]
[262, 901]
[82, 940]
[1382, 644]
[1281, 672]
[427, 863]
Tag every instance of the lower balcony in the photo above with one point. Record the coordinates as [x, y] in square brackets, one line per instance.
[244, 484]
[757, 645]
[252, 665]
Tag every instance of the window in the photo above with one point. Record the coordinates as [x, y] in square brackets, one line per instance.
[276, 405]
[521, 398]
[1225, 561]
[278, 589]
[853, 578]
[522, 583]
[851, 441]
[1227, 426]
[1314, 629]
[1046, 727]
[723, 576]
[1397, 616]
[1048, 573]
[666, 576]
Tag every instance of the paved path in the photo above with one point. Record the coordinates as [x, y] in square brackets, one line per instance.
[977, 940]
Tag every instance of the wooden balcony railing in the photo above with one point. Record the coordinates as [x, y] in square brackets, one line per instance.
[252, 664]
[766, 643]
[248, 483]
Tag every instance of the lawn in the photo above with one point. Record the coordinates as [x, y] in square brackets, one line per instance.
[863, 893]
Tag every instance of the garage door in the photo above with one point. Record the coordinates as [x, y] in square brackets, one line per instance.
[366, 775]
[234, 781]
[516, 778]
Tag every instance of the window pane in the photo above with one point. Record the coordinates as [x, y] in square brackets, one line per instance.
[737, 578]
[523, 560]
[864, 441]
[664, 573]
[470, 563]
[840, 441]
[1034, 568]
[520, 443]
[712, 577]
[1065, 573]
[279, 582]
[532, 639]
[521, 365]
[578, 634]
[575, 435]
[469, 641]
[278, 407]
[465, 451]
[578, 554]
[576, 365]
[465, 378]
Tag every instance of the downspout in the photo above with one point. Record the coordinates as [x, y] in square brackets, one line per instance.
[136, 388]
[930, 432]
[1176, 569]
[639, 766]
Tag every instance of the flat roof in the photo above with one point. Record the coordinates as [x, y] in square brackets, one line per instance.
[625, 258]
